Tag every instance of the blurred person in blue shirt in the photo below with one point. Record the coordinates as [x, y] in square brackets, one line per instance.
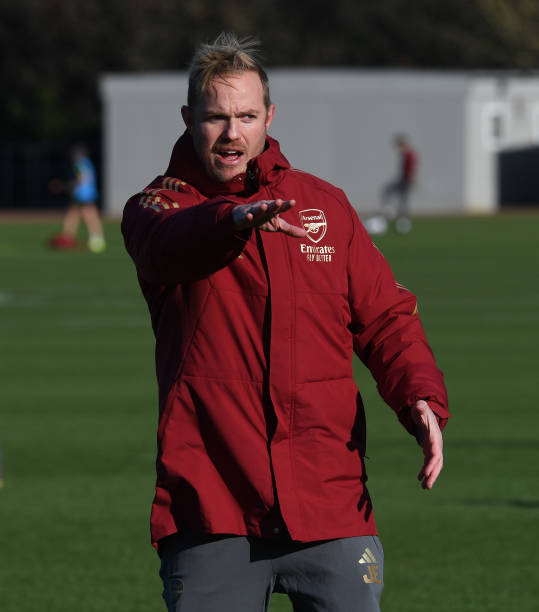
[82, 186]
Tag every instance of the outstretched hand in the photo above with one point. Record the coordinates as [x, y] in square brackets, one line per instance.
[430, 439]
[265, 215]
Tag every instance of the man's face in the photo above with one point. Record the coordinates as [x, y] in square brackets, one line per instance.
[229, 124]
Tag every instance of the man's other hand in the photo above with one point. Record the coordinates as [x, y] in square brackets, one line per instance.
[430, 439]
[265, 215]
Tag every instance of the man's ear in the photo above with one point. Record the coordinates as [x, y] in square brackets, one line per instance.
[269, 116]
[186, 116]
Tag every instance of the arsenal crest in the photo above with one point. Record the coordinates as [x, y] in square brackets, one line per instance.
[314, 222]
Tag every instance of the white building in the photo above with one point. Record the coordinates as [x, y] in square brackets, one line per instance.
[339, 124]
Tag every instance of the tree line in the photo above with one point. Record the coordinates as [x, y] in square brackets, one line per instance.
[53, 52]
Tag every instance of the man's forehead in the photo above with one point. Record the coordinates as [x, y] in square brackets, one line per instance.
[244, 85]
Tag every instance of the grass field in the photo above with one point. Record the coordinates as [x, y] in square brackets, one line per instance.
[78, 418]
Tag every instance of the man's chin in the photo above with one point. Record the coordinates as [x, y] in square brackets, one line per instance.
[224, 174]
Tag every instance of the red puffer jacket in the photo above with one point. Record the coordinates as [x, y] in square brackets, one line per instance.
[261, 425]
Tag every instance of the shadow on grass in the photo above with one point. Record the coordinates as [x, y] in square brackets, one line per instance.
[525, 504]
[518, 443]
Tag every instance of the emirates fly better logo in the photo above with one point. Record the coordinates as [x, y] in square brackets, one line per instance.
[314, 222]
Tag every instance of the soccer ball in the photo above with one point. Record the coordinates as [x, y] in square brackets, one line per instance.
[376, 225]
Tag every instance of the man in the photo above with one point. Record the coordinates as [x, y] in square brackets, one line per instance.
[400, 187]
[261, 282]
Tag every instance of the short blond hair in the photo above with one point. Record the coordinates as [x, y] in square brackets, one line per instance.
[226, 55]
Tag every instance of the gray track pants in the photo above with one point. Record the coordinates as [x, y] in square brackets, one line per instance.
[208, 573]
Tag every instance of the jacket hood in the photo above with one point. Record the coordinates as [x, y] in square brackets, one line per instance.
[263, 169]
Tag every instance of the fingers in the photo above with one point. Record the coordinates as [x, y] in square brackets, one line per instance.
[250, 214]
[271, 208]
[265, 215]
[256, 213]
[277, 224]
[280, 224]
[431, 441]
[292, 230]
[284, 205]
[430, 471]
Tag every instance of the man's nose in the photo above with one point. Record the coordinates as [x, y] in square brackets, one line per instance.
[231, 129]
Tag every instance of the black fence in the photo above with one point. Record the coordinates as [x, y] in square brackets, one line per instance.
[27, 169]
[518, 177]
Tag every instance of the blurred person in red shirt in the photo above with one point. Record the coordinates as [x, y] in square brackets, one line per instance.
[400, 188]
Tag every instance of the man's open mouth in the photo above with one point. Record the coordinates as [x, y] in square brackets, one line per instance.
[229, 156]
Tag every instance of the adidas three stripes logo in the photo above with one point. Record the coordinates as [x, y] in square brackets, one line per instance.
[373, 569]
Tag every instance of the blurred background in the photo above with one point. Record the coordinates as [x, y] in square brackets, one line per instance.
[78, 399]
[458, 78]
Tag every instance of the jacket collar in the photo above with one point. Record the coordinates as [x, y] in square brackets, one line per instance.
[263, 169]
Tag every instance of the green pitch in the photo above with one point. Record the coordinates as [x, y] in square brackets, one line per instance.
[78, 419]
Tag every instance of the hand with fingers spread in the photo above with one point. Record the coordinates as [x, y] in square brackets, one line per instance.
[265, 215]
[430, 439]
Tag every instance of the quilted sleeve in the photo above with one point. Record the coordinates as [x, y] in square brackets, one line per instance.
[388, 335]
[173, 238]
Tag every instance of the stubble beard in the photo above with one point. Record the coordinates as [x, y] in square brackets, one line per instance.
[224, 175]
